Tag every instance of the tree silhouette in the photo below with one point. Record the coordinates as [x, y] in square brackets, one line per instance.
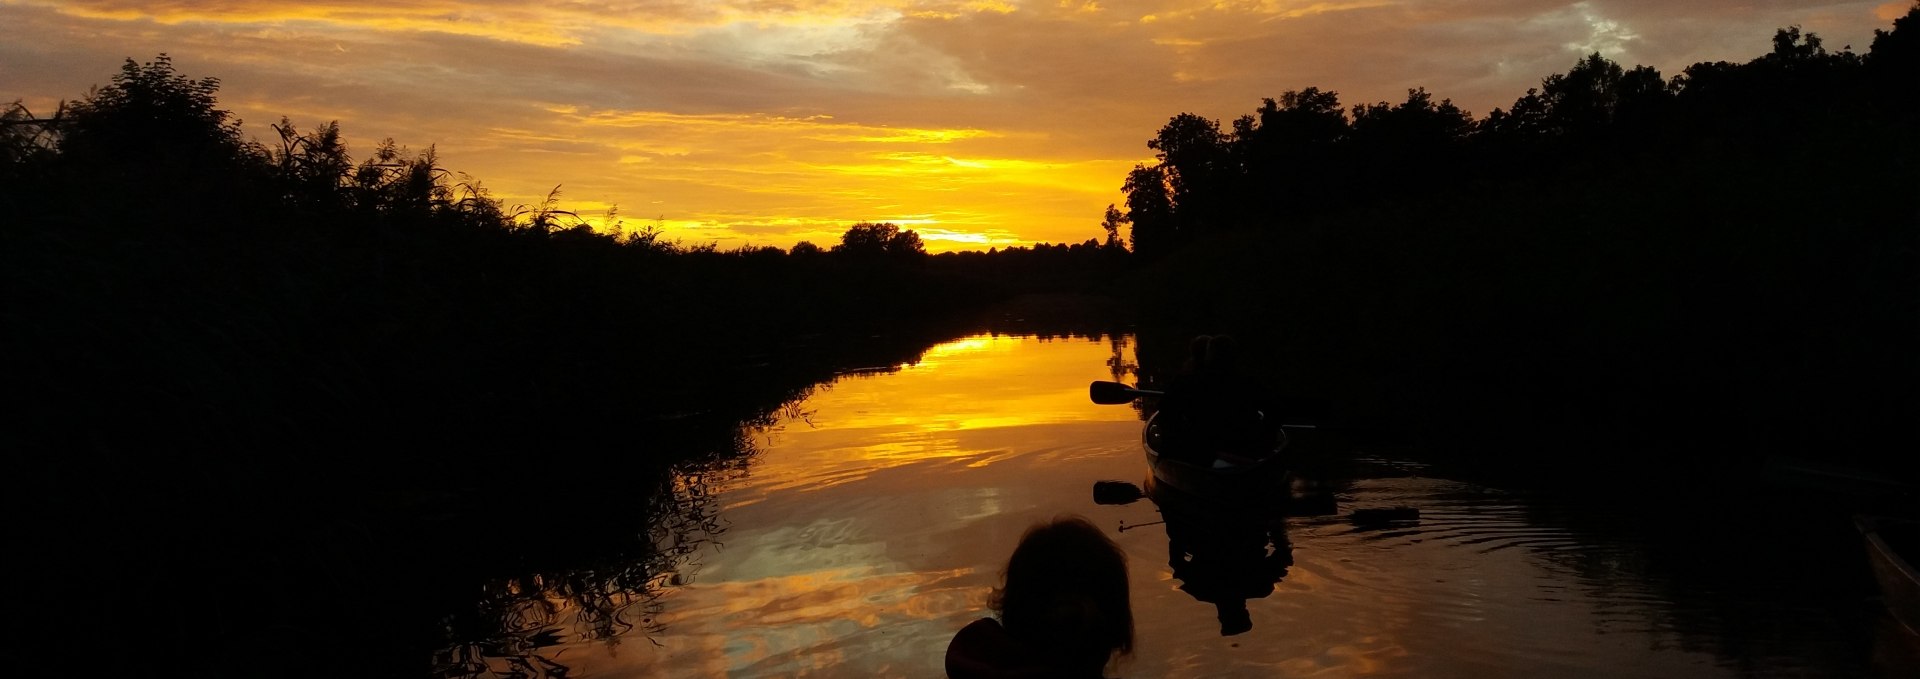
[314, 166]
[1111, 224]
[153, 114]
[1898, 50]
[1416, 121]
[1198, 169]
[1789, 46]
[26, 140]
[1414, 128]
[1301, 119]
[1643, 100]
[1150, 208]
[1581, 101]
[1523, 123]
[1288, 154]
[906, 246]
[867, 241]
[1894, 64]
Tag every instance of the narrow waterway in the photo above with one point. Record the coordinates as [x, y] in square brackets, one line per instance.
[874, 518]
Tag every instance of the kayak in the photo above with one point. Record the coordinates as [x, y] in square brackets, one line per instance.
[1264, 476]
[1893, 545]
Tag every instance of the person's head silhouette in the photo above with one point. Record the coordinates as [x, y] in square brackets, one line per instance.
[1196, 354]
[1066, 590]
[1064, 609]
[1223, 354]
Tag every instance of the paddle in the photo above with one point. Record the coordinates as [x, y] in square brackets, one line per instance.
[1116, 493]
[1115, 393]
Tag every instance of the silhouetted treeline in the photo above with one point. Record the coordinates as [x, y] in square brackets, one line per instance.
[1086, 267]
[1723, 264]
[309, 400]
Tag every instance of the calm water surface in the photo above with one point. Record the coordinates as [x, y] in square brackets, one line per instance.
[876, 517]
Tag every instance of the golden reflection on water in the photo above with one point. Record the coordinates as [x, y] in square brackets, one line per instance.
[869, 531]
[873, 527]
[937, 408]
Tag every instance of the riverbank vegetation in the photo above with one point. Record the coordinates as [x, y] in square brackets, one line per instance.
[1718, 266]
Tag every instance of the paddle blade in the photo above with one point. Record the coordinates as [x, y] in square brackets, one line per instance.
[1110, 393]
[1116, 492]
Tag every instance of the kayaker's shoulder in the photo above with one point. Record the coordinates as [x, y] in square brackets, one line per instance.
[984, 650]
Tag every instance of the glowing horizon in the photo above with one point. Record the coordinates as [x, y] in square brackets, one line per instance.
[977, 123]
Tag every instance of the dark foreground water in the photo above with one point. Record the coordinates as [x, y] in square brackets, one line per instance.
[877, 514]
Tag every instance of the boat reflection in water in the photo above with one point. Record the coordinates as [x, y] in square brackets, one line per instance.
[1223, 555]
[1224, 550]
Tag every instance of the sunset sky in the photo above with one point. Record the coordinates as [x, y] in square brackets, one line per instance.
[766, 122]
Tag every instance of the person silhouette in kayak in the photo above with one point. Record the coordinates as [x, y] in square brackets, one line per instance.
[1063, 609]
[1216, 414]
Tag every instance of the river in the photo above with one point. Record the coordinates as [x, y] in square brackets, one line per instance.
[874, 516]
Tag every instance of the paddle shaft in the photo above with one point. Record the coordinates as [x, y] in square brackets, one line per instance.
[1118, 388]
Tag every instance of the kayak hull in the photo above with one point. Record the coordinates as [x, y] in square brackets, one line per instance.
[1266, 477]
[1893, 546]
